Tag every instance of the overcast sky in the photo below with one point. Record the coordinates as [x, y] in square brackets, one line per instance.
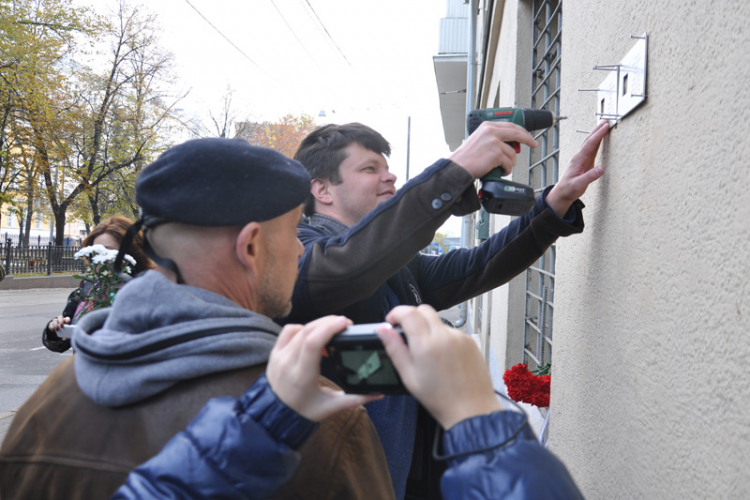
[356, 60]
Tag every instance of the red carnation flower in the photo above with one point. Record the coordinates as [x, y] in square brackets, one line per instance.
[525, 387]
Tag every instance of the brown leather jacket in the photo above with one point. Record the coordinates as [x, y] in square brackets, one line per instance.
[62, 445]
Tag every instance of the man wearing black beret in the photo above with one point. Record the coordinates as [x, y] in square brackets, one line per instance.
[220, 218]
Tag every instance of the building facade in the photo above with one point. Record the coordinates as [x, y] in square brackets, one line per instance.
[643, 315]
[42, 229]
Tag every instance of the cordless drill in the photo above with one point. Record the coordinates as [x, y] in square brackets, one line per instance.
[500, 196]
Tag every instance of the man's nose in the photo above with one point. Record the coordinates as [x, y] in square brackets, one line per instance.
[389, 177]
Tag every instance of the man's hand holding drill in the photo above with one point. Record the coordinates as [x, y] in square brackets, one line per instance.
[488, 147]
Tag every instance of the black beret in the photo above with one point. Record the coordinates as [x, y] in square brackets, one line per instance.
[221, 182]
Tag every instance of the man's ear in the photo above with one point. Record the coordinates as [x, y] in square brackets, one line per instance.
[248, 246]
[319, 189]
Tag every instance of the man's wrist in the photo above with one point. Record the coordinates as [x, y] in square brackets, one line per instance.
[558, 201]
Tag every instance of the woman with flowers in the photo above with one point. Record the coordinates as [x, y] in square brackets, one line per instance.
[98, 285]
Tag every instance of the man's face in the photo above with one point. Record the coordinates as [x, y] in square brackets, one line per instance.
[283, 251]
[366, 182]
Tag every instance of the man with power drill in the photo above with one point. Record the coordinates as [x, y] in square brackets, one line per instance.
[362, 239]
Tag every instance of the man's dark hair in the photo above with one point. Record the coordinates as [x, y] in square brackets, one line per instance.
[322, 152]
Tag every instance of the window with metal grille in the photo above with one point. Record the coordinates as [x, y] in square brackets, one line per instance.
[543, 171]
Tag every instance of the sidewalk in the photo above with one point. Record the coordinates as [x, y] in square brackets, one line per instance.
[54, 281]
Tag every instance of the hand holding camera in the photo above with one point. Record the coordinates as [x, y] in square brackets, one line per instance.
[293, 370]
[442, 367]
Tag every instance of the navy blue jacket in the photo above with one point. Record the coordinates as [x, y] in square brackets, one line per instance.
[364, 271]
[245, 449]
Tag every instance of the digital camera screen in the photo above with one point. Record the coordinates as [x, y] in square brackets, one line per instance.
[369, 367]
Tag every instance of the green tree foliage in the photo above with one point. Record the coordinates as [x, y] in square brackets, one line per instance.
[34, 37]
[87, 121]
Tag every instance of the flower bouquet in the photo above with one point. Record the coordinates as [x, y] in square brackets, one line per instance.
[527, 387]
[101, 280]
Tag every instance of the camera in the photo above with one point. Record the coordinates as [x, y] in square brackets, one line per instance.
[360, 364]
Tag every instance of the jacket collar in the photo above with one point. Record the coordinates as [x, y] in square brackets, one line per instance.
[327, 224]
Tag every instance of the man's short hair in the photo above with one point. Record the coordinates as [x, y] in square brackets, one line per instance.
[322, 152]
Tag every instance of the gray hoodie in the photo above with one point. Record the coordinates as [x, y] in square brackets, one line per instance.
[159, 333]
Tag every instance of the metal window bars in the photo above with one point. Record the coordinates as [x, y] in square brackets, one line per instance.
[543, 170]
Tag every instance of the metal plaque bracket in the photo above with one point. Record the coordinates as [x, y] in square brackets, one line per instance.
[624, 88]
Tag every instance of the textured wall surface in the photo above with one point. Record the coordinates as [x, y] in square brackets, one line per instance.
[651, 379]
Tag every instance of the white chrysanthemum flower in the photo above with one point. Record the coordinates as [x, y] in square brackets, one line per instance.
[84, 252]
[92, 250]
[130, 259]
[101, 259]
[100, 249]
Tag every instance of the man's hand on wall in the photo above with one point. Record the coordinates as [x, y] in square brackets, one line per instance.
[579, 174]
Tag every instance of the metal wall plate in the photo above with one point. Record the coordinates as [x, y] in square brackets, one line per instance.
[624, 88]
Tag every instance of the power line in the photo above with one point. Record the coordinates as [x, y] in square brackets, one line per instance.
[327, 33]
[228, 40]
[295, 36]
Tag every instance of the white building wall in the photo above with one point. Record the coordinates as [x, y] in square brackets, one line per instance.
[650, 385]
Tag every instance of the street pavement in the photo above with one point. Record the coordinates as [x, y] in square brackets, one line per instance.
[24, 361]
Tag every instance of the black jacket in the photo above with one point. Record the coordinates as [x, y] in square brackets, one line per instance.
[49, 338]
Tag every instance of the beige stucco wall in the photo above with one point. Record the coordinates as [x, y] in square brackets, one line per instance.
[651, 379]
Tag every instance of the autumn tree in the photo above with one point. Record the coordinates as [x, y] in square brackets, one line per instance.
[284, 136]
[130, 126]
[227, 120]
[35, 39]
[103, 122]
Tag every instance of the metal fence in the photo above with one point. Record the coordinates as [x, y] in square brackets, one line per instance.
[39, 259]
[38, 240]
